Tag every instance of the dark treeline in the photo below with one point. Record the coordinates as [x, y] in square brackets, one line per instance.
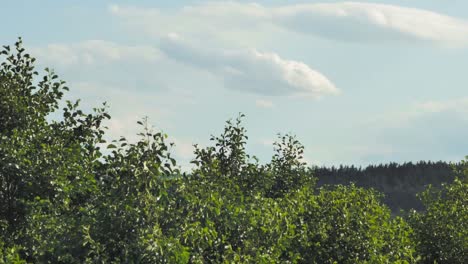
[69, 196]
[400, 183]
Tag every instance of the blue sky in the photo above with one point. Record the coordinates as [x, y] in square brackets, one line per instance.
[357, 82]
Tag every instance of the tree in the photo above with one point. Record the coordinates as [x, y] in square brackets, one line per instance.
[288, 171]
[347, 224]
[442, 230]
[47, 169]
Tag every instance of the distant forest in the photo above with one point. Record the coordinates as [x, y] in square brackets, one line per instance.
[400, 183]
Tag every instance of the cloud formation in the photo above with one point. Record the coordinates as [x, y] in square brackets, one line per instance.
[372, 22]
[459, 106]
[94, 51]
[246, 70]
[455, 108]
[431, 130]
[346, 21]
[251, 70]
[262, 103]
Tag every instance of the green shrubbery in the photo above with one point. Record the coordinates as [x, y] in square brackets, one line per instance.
[441, 231]
[63, 201]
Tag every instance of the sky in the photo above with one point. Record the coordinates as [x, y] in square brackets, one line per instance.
[357, 82]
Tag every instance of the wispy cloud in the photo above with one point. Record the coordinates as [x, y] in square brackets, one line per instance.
[251, 70]
[94, 51]
[348, 21]
[459, 105]
[432, 130]
[262, 103]
[373, 22]
[425, 110]
[183, 148]
[246, 70]
[267, 142]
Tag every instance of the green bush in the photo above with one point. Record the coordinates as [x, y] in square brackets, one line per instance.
[442, 230]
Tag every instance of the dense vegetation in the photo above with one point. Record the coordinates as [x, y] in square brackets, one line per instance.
[400, 183]
[67, 196]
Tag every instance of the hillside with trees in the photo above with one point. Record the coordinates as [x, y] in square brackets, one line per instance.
[68, 196]
[400, 183]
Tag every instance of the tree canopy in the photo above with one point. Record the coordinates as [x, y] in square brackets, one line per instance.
[68, 196]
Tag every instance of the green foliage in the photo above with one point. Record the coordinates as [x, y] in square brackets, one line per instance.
[64, 200]
[24, 104]
[442, 230]
[10, 255]
[288, 171]
[47, 169]
[347, 224]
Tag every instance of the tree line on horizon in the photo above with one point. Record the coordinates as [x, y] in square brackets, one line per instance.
[400, 183]
[68, 196]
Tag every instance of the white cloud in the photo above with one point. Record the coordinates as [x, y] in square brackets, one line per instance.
[206, 18]
[227, 9]
[262, 103]
[183, 153]
[429, 130]
[92, 52]
[457, 105]
[251, 70]
[349, 21]
[456, 108]
[183, 148]
[239, 69]
[267, 142]
[372, 22]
